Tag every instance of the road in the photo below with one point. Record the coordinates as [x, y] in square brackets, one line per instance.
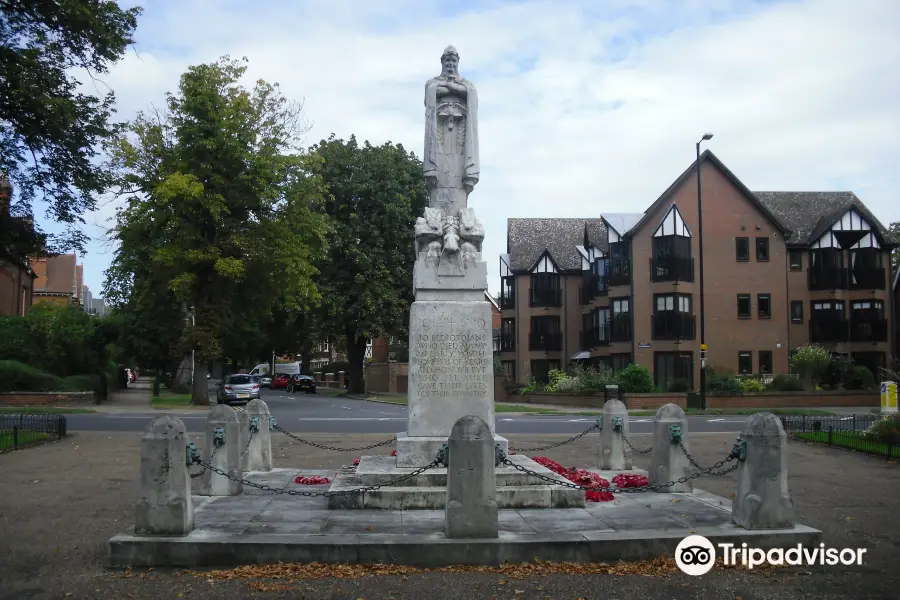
[321, 413]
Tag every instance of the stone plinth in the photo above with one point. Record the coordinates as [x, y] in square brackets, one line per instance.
[165, 506]
[762, 499]
[613, 431]
[258, 453]
[667, 461]
[223, 436]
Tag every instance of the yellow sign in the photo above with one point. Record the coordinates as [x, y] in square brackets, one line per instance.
[889, 396]
[704, 347]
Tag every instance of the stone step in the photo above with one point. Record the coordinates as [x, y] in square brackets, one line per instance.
[381, 470]
[435, 497]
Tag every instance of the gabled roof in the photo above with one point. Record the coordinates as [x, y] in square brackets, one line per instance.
[711, 158]
[491, 299]
[810, 214]
[622, 223]
[528, 239]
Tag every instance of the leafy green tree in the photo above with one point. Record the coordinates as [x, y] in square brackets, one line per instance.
[234, 207]
[366, 279]
[811, 362]
[49, 130]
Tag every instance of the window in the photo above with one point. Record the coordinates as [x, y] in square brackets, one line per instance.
[745, 362]
[507, 335]
[673, 302]
[545, 334]
[873, 308]
[672, 259]
[540, 369]
[795, 258]
[509, 369]
[545, 289]
[672, 367]
[507, 292]
[620, 306]
[620, 320]
[742, 249]
[764, 306]
[672, 317]
[796, 311]
[765, 361]
[762, 249]
[620, 361]
[743, 306]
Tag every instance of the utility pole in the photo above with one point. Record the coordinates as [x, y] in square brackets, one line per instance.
[706, 136]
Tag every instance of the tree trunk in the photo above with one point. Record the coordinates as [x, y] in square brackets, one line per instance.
[156, 380]
[181, 382]
[200, 389]
[356, 355]
[305, 361]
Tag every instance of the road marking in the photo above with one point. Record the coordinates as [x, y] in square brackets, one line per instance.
[346, 408]
[641, 420]
[714, 420]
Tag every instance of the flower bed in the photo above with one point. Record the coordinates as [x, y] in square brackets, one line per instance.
[589, 479]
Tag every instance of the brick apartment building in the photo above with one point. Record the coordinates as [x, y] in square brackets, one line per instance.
[16, 274]
[782, 269]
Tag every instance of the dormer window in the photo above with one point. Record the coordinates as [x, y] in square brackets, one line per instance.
[671, 259]
[545, 283]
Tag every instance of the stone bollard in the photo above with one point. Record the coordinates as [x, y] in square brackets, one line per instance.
[164, 506]
[255, 420]
[762, 500]
[668, 462]
[223, 435]
[471, 482]
[614, 428]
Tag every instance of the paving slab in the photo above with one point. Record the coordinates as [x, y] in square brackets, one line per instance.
[259, 529]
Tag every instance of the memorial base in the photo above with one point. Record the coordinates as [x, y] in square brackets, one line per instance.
[428, 490]
[415, 451]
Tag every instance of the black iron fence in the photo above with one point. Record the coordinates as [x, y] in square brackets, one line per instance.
[845, 431]
[17, 430]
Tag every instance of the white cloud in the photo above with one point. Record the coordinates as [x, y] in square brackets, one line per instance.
[583, 110]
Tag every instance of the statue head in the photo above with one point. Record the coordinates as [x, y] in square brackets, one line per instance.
[450, 62]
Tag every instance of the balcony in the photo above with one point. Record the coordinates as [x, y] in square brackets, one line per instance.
[620, 328]
[595, 336]
[672, 268]
[673, 325]
[867, 278]
[507, 300]
[619, 272]
[548, 342]
[826, 279]
[826, 328]
[593, 286]
[867, 329]
[507, 343]
[545, 296]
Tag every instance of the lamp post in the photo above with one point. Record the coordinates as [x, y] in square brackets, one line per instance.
[706, 136]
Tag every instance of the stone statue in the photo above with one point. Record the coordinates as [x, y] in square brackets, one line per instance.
[451, 167]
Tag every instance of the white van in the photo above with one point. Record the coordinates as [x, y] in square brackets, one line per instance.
[265, 369]
[261, 370]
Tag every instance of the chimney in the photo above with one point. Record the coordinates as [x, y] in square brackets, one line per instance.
[5, 194]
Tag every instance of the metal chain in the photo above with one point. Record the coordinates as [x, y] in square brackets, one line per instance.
[558, 444]
[629, 490]
[308, 494]
[324, 447]
[211, 457]
[637, 450]
[244, 451]
[709, 471]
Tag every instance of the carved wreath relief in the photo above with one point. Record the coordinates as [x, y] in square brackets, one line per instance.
[456, 238]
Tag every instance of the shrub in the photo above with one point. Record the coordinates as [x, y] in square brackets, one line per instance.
[835, 373]
[785, 383]
[679, 386]
[595, 380]
[634, 379]
[723, 382]
[751, 385]
[858, 377]
[18, 377]
[555, 377]
[885, 430]
[810, 363]
[532, 386]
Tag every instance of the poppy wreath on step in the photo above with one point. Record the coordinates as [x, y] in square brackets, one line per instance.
[314, 480]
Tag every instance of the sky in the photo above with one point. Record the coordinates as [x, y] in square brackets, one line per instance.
[585, 107]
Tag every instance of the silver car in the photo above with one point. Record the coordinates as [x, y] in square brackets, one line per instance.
[237, 388]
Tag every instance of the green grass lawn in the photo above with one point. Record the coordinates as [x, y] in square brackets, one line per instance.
[47, 410]
[25, 438]
[852, 441]
[733, 411]
[169, 400]
[517, 408]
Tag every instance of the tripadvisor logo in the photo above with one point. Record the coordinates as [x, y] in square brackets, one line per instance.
[696, 555]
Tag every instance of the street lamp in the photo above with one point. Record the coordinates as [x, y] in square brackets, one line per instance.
[706, 136]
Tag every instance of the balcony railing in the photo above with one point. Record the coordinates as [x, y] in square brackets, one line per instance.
[507, 300]
[672, 268]
[868, 278]
[619, 272]
[507, 343]
[826, 279]
[597, 335]
[620, 328]
[548, 342]
[673, 325]
[866, 329]
[545, 296]
[593, 286]
[824, 328]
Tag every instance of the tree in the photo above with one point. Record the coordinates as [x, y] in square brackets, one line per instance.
[232, 204]
[49, 130]
[894, 228]
[366, 278]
